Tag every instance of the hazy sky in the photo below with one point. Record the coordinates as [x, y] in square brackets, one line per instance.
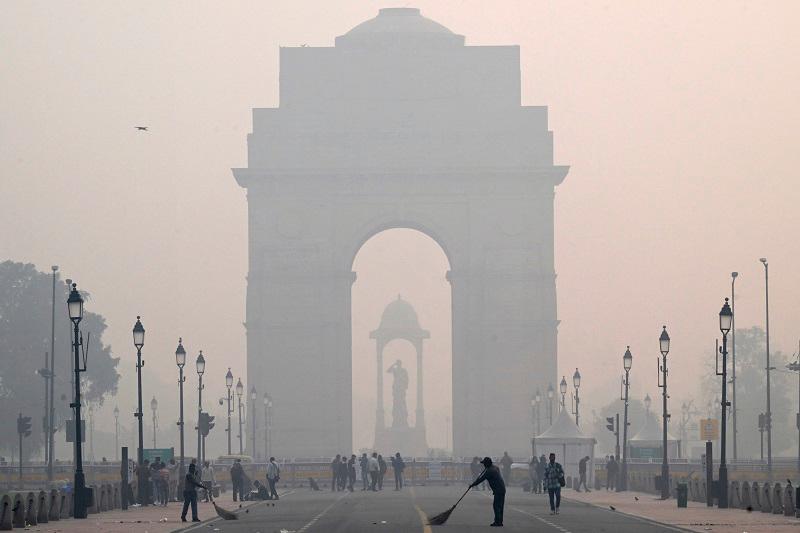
[679, 121]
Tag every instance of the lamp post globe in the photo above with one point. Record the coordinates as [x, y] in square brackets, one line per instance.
[154, 404]
[239, 388]
[627, 360]
[725, 318]
[75, 305]
[562, 387]
[576, 379]
[229, 378]
[200, 363]
[647, 402]
[663, 342]
[138, 333]
[180, 354]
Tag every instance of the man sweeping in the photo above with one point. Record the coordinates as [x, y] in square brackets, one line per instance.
[491, 474]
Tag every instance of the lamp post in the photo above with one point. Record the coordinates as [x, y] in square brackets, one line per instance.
[154, 408]
[239, 392]
[253, 398]
[627, 363]
[51, 418]
[538, 418]
[180, 361]
[228, 385]
[116, 433]
[795, 367]
[768, 414]
[91, 434]
[138, 342]
[75, 309]
[663, 342]
[267, 424]
[733, 365]
[563, 389]
[200, 364]
[533, 415]
[550, 394]
[576, 382]
[725, 321]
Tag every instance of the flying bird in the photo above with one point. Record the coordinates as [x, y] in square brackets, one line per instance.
[142, 128]
[612, 507]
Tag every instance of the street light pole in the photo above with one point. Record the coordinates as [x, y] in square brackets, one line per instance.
[562, 387]
[75, 308]
[138, 342]
[533, 416]
[734, 411]
[116, 433]
[253, 397]
[627, 363]
[664, 346]
[725, 323]
[550, 394]
[228, 385]
[154, 408]
[180, 361]
[538, 418]
[200, 364]
[51, 418]
[576, 382]
[768, 414]
[239, 392]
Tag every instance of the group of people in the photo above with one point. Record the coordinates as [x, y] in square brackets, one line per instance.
[373, 469]
[160, 481]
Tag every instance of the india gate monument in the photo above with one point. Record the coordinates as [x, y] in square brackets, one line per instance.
[401, 125]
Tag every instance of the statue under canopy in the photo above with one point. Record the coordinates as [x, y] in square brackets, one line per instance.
[399, 388]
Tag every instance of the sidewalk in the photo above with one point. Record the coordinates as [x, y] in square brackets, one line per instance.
[150, 519]
[696, 516]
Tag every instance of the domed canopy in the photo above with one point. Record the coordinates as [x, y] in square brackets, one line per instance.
[651, 432]
[397, 24]
[399, 319]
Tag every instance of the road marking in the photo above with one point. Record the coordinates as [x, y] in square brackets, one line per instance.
[320, 515]
[422, 516]
[217, 519]
[540, 519]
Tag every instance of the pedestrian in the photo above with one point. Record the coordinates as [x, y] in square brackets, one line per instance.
[190, 486]
[155, 481]
[172, 491]
[476, 469]
[398, 466]
[506, 461]
[374, 471]
[237, 479]
[260, 491]
[335, 471]
[613, 473]
[207, 477]
[273, 476]
[343, 473]
[491, 474]
[532, 466]
[554, 480]
[582, 474]
[163, 485]
[351, 472]
[363, 462]
[540, 472]
[144, 479]
[381, 471]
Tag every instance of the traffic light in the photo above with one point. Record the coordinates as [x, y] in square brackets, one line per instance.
[209, 423]
[24, 425]
[610, 424]
[206, 424]
[761, 425]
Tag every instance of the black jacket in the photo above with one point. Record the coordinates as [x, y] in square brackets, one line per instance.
[492, 476]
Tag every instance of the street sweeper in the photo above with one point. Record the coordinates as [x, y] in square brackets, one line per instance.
[491, 475]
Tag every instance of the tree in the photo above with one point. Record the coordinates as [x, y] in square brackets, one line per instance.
[25, 316]
[751, 390]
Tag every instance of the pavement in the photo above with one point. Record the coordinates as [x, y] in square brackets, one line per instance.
[695, 517]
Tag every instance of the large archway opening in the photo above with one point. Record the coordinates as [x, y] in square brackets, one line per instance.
[409, 264]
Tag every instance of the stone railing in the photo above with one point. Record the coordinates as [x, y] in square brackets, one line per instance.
[20, 509]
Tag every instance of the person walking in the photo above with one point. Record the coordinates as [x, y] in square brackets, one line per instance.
[554, 480]
[491, 474]
[398, 465]
[505, 462]
[237, 479]
[343, 473]
[163, 485]
[190, 486]
[532, 466]
[374, 471]
[363, 462]
[351, 472]
[273, 476]
[475, 469]
[207, 478]
[582, 473]
[172, 491]
[381, 471]
[612, 468]
[335, 472]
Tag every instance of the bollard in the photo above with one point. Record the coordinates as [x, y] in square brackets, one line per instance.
[755, 496]
[6, 506]
[66, 506]
[745, 500]
[682, 494]
[777, 499]
[42, 507]
[788, 501]
[734, 495]
[30, 508]
[18, 509]
[766, 498]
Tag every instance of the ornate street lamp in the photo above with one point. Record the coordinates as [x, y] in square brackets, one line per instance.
[200, 364]
[663, 342]
[239, 392]
[180, 361]
[725, 323]
[627, 363]
[538, 418]
[550, 394]
[576, 382]
[116, 433]
[734, 275]
[768, 413]
[267, 424]
[253, 398]
[228, 385]
[75, 309]
[154, 408]
[138, 342]
[563, 388]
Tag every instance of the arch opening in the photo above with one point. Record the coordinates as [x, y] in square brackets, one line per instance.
[409, 266]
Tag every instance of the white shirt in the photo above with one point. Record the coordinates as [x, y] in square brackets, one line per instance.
[373, 464]
[272, 470]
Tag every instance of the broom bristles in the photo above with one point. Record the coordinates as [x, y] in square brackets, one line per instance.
[222, 513]
[441, 518]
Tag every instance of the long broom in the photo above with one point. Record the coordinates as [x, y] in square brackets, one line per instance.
[222, 513]
[441, 518]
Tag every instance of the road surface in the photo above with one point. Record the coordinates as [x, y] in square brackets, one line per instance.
[389, 511]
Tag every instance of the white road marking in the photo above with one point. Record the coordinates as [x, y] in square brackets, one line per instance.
[320, 515]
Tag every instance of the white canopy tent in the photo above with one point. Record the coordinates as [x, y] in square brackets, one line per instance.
[648, 442]
[569, 443]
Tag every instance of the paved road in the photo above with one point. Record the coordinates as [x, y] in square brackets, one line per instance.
[302, 511]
